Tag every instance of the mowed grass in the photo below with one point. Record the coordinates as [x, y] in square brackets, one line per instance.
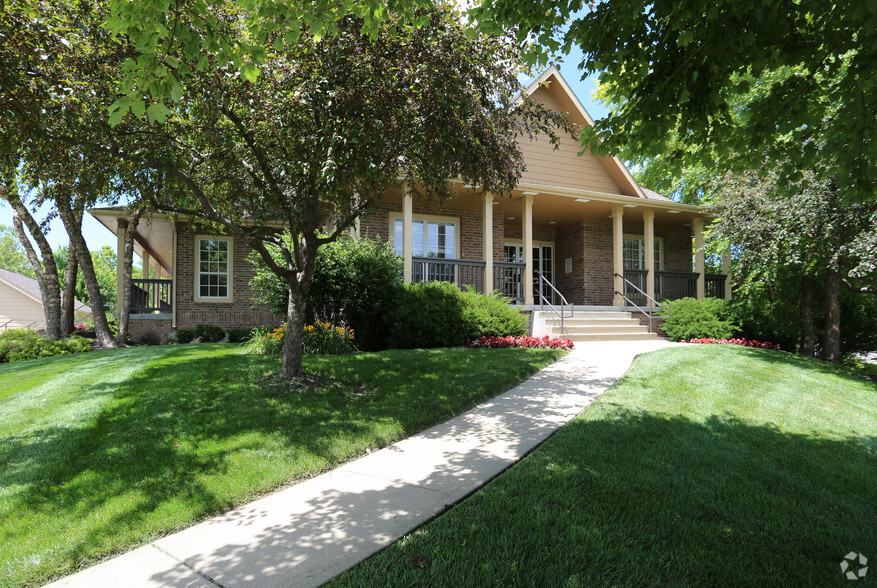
[103, 451]
[704, 466]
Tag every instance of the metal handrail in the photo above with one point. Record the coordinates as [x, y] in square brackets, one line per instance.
[635, 287]
[650, 314]
[543, 280]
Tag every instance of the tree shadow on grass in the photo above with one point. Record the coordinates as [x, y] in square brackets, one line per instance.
[181, 438]
[808, 363]
[635, 499]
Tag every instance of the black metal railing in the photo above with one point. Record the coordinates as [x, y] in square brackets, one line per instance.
[149, 296]
[714, 285]
[462, 272]
[675, 285]
[508, 278]
[635, 285]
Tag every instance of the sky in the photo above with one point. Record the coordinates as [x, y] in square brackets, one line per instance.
[96, 235]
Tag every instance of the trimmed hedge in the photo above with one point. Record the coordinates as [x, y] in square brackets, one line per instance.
[710, 318]
[438, 314]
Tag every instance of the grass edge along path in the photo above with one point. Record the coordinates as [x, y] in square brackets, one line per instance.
[104, 451]
[707, 465]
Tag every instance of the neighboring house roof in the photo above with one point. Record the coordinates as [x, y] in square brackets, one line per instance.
[29, 287]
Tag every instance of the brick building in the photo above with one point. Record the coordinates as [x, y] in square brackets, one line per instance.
[578, 225]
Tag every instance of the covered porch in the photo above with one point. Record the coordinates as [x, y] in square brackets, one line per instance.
[152, 291]
[585, 247]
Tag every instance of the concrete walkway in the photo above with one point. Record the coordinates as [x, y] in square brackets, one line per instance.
[309, 533]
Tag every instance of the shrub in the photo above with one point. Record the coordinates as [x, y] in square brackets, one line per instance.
[438, 314]
[185, 335]
[324, 338]
[427, 314]
[354, 284]
[240, 335]
[209, 333]
[706, 318]
[21, 344]
[491, 316]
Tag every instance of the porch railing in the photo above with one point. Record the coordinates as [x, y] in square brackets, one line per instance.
[635, 285]
[714, 285]
[508, 278]
[462, 272]
[675, 285]
[149, 296]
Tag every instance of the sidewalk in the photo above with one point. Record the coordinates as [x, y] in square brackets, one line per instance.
[309, 533]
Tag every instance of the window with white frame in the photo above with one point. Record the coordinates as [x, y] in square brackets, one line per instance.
[213, 276]
[633, 252]
[429, 238]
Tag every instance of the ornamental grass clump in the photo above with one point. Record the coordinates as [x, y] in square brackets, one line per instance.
[319, 338]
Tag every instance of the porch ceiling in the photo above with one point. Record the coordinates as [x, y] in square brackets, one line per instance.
[553, 211]
[155, 234]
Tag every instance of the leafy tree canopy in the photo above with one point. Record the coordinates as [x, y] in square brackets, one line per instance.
[677, 68]
[12, 256]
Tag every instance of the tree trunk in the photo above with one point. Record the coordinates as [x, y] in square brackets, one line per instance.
[74, 231]
[124, 305]
[47, 273]
[831, 338]
[68, 305]
[292, 342]
[805, 315]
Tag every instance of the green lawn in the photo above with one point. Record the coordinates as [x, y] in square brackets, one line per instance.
[707, 465]
[102, 451]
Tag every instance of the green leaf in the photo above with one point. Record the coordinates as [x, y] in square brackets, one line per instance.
[250, 72]
[157, 113]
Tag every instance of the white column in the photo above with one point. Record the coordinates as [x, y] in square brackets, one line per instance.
[726, 269]
[174, 283]
[649, 255]
[527, 231]
[487, 238]
[146, 262]
[120, 261]
[617, 254]
[697, 225]
[407, 232]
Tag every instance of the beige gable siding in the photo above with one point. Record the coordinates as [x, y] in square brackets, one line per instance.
[562, 167]
[15, 305]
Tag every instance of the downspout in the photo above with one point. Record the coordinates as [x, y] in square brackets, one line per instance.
[174, 283]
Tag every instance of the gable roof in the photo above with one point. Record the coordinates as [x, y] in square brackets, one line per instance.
[556, 85]
[31, 288]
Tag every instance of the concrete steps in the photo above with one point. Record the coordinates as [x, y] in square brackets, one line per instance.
[592, 325]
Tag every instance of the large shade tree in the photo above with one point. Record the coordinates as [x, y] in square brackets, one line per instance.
[798, 243]
[679, 64]
[59, 72]
[329, 125]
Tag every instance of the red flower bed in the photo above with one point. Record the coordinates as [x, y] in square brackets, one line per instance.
[545, 342]
[744, 342]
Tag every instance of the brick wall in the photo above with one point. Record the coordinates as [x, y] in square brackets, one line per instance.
[677, 250]
[598, 274]
[570, 244]
[140, 326]
[241, 312]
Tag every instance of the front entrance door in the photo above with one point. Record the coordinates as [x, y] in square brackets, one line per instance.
[543, 260]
